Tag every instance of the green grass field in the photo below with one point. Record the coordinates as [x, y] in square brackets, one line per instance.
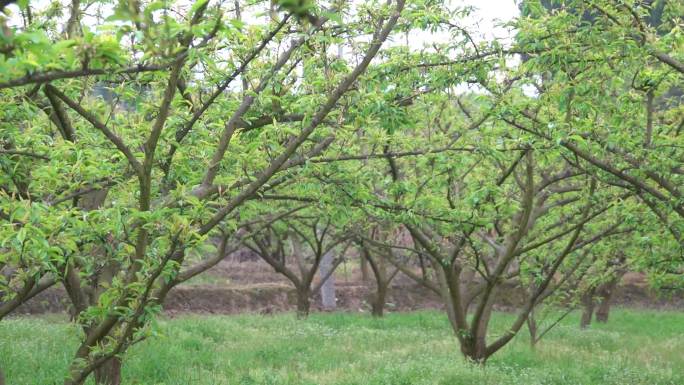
[635, 347]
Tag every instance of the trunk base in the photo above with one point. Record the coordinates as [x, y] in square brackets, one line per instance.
[378, 303]
[532, 327]
[604, 307]
[109, 373]
[587, 310]
[474, 352]
[303, 305]
[378, 310]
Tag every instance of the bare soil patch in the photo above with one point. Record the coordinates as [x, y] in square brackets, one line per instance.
[252, 286]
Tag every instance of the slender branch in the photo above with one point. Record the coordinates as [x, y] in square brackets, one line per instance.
[24, 153]
[46, 77]
[95, 122]
[316, 120]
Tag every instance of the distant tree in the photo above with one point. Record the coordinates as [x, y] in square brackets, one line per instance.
[602, 291]
[476, 262]
[295, 247]
[327, 290]
[483, 205]
[382, 248]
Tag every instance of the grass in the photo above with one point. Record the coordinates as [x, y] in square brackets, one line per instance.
[635, 347]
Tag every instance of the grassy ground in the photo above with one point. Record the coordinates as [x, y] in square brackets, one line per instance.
[636, 347]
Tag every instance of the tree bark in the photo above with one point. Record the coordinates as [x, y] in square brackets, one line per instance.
[532, 327]
[378, 303]
[474, 351]
[365, 277]
[479, 354]
[328, 298]
[2, 377]
[603, 310]
[109, 373]
[587, 309]
[303, 303]
[474, 346]
[606, 294]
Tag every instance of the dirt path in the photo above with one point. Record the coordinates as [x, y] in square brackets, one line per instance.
[251, 287]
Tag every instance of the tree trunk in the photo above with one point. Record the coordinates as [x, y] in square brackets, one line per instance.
[378, 303]
[365, 277]
[481, 339]
[109, 373]
[606, 294]
[382, 282]
[605, 291]
[587, 309]
[603, 310]
[303, 303]
[328, 298]
[474, 350]
[532, 327]
[476, 344]
[2, 377]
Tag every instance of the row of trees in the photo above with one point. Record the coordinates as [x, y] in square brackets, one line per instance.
[294, 129]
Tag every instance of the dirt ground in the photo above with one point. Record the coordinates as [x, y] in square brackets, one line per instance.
[239, 286]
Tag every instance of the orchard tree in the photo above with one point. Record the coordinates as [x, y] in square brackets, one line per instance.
[295, 247]
[607, 78]
[200, 110]
[382, 261]
[485, 204]
[524, 233]
[386, 247]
